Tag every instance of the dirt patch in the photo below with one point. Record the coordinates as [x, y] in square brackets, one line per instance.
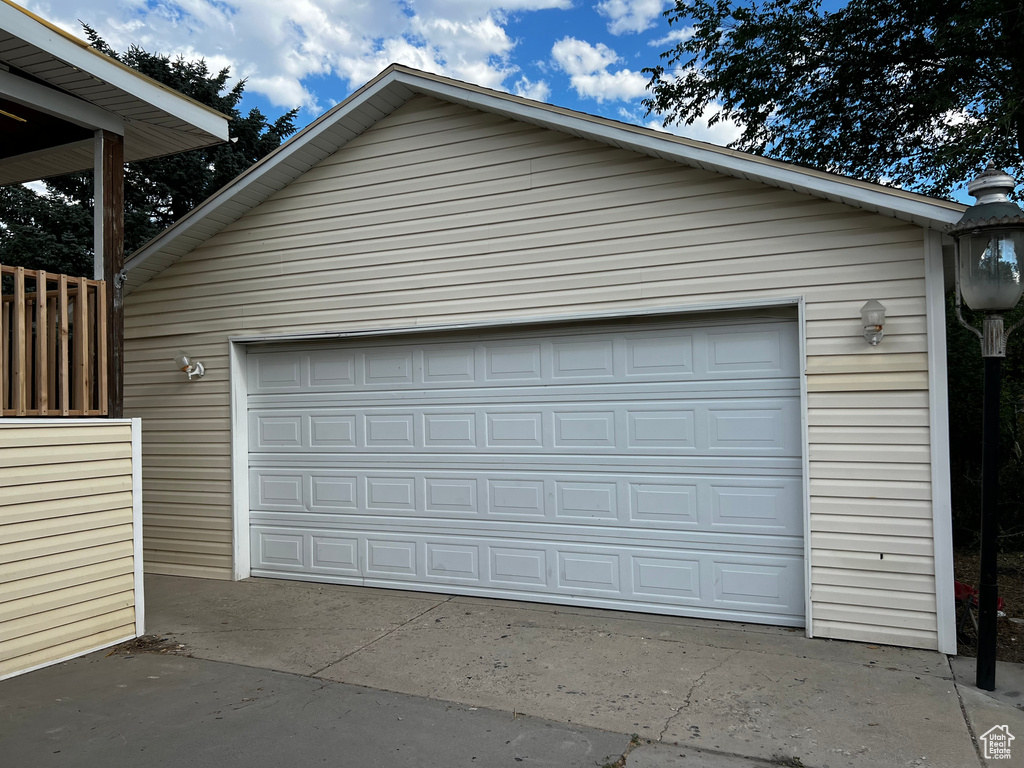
[1010, 633]
[147, 644]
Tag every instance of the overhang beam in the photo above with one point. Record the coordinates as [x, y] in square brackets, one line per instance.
[59, 104]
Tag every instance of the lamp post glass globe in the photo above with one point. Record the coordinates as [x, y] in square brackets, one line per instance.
[990, 245]
[991, 264]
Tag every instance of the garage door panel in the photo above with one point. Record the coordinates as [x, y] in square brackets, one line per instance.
[446, 561]
[279, 491]
[334, 553]
[391, 369]
[327, 370]
[675, 355]
[646, 467]
[277, 373]
[513, 497]
[277, 431]
[563, 532]
[752, 585]
[331, 492]
[749, 587]
[721, 427]
[330, 432]
[733, 504]
[760, 353]
[749, 428]
[450, 495]
[660, 355]
[387, 432]
[600, 392]
[651, 463]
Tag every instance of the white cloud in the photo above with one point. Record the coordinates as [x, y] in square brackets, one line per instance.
[284, 91]
[677, 35]
[531, 89]
[278, 45]
[587, 66]
[37, 186]
[475, 50]
[625, 16]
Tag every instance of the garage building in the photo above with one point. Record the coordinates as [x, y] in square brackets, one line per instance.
[460, 341]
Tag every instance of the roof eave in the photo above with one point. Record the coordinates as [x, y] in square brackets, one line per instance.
[397, 83]
[920, 209]
[77, 53]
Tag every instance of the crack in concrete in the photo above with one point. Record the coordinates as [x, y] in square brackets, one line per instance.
[963, 712]
[634, 742]
[381, 637]
[689, 694]
[668, 724]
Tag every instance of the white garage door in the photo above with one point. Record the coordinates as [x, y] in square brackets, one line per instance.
[651, 467]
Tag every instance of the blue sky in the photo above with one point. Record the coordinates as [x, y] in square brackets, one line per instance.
[581, 54]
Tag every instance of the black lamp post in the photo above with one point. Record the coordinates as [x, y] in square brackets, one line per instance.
[990, 279]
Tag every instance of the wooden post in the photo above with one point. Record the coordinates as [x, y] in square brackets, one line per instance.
[110, 207]
[53, 341]
[19, 388]
[5, 329]
[42, 359]
[102, 343]
[81, 349]
[65, 386]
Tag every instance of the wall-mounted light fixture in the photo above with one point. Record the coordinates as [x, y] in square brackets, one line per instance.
[872, 314]
[191, 368]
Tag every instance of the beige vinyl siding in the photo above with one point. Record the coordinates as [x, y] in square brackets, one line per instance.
[67, 564]
[440, 214]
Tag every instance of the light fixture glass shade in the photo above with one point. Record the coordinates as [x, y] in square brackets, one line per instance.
[191, 368]
[991, 267]
[872, 315]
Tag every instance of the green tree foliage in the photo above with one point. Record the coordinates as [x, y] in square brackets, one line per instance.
[37, 233]
[55, 231]
[917, 93]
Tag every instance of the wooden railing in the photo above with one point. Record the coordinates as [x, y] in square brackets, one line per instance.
[53, 344]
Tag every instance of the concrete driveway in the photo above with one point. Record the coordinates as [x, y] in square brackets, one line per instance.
[697, 693]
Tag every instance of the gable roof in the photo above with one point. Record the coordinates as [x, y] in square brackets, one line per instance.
[69, 89]
[397, 84]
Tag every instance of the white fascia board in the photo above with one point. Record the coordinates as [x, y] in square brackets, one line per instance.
[59, 104]
[79, 54]
[690, 154]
